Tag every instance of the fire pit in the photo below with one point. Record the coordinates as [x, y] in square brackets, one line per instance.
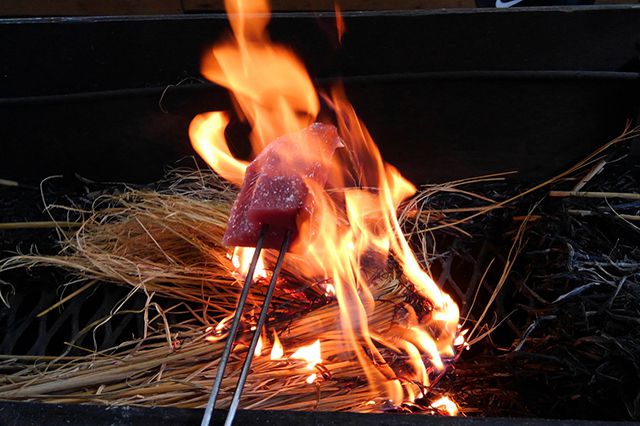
[535, 276]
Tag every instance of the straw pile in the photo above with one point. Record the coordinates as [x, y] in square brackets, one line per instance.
[166, 244]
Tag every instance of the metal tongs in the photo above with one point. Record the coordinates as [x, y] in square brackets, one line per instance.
[233, 331]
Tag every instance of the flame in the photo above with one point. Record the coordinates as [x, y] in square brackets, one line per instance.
[329, 290]
[241, 259]
[206, 133]
[312, 354]
[223, 322]
[340, 27]
[353, 227]
[277, 351]
[312, 378]
[258, 350]
[270, 85]
[447, 405]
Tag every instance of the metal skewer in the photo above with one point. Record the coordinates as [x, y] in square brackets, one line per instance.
[256, 335]
[233, 331]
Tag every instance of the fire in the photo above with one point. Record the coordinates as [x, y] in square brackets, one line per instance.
[340, 27]
[461, 340]
[270, 85]
[353, 227]
[329, 290]
[312, 354]
[447, 405]
[206, 132]
[241, 259]
[258, 350]
[223, 322]
[277, 351]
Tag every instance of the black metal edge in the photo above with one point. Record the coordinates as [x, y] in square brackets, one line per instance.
[36, 414]
[379, 78]
[112, 53]
[321, 14]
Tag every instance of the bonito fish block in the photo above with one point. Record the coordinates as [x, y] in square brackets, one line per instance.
[274, 191]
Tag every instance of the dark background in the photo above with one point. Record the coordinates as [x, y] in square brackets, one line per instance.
[446, 94]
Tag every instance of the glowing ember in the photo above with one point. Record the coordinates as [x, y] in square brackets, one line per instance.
[447, 405]
[329, 290]
[220, 326]
[277, 351]
[354, 220]
[312, 378]
[312, 354]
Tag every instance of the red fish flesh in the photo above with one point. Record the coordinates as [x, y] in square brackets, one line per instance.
[274, 192]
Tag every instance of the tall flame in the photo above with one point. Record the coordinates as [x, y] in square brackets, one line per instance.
[273, 92]
[340, 27]
[269, 83]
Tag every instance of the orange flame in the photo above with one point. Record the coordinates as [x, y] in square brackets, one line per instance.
[269, 83]
[461, 339]
[312, 354]
[329, 290]
[339, 22]
[223, 322]
[206, 132]
[447, 405]
[277, 351]
[354, 221]
[241, 259]
[258, 350]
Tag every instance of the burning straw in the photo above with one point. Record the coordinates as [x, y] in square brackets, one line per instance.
[167, 244]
